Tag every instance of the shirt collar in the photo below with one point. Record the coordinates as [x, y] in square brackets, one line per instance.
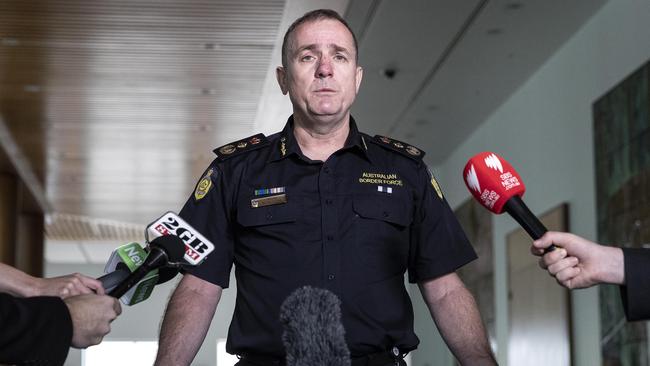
[287, 145]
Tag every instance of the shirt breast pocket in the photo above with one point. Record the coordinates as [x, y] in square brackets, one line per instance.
[249, 216]
[382, 230]
[267, 236]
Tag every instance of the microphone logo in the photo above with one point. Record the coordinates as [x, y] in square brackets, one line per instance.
[492, 161]
[472, 180]
[197, 247]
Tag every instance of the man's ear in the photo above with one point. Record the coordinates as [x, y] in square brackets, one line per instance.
[281, 75]
[359, 76]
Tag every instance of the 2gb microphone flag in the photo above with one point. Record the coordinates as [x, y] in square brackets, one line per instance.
[197, 247]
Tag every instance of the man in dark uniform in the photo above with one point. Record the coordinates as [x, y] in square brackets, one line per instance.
[324, 205]
[581, 263]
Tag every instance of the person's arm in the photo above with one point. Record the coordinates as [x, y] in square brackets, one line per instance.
[35, 329]
[41, 329]
[578, 262]
[18, 283]
[187, 320]
[454, 311]
[636, 292]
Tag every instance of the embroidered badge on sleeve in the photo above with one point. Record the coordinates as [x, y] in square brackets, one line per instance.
[204, 186]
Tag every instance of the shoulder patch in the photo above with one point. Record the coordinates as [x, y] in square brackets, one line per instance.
[238, 147]
[399, 146]
[204, 185]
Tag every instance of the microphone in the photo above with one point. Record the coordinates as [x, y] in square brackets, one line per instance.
[127, 259]
[197, 247]
[498, 187]
[115, 275]
[168, 249]
[122, 262]
[313, 334]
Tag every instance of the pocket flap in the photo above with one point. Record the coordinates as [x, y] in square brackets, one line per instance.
[385, 208]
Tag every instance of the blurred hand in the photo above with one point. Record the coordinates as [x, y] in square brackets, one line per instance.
[578, 262]
[68, 285]
[91, 317]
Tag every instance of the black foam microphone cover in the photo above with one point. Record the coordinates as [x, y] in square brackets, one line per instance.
[313, 333]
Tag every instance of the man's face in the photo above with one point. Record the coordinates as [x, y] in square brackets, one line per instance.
[322, 76]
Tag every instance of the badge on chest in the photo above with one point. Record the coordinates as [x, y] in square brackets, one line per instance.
[268, 197]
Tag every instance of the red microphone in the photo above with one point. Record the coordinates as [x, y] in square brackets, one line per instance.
[498, 187]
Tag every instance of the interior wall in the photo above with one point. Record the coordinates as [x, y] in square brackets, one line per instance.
[545, 130]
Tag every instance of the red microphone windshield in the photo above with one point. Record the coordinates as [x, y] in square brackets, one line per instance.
[492, 180]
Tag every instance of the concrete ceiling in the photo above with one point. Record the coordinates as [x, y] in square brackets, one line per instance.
[115, 106]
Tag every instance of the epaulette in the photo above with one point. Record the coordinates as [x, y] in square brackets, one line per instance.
[399, 146]
[238, 147]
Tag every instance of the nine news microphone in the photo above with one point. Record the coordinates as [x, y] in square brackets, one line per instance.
[498, 187]
[313, 334]
[164, 250]
[122, 262]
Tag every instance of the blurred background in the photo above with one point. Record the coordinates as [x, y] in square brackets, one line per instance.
[109, 111]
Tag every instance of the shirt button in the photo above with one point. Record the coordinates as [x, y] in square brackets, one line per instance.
[331, 277]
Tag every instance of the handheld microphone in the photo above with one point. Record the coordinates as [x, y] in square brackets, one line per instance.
[114, 275]
[122, 262]
[498, 187]
[162, 251]
[313, 334]
[126, 259]
[197, 247]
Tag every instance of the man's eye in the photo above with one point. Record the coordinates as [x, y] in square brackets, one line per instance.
[340, 58]
[307, 58]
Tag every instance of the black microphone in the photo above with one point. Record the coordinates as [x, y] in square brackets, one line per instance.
[118, 275]
[121, 272]
[313, 334]
[163, 250]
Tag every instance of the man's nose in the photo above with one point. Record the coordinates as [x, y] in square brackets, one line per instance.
[324, 68]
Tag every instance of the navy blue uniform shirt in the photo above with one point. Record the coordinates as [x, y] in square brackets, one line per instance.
[353, 224]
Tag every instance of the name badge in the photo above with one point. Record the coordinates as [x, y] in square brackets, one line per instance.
[269, 200]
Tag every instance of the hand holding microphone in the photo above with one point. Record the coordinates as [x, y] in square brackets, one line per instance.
[498, 187]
